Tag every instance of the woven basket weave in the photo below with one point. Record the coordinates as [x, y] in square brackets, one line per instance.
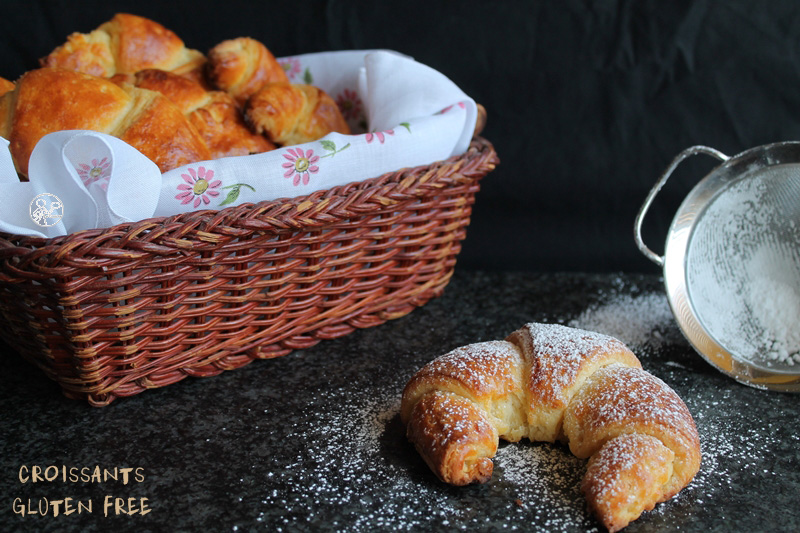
[111, 312]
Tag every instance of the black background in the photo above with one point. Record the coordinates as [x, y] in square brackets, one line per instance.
[588, 101]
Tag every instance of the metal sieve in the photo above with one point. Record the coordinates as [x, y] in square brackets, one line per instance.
[731, 263]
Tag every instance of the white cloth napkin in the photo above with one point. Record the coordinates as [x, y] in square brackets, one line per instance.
[402, 114]
[78, 180]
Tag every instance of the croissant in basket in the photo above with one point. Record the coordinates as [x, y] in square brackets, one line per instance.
[284, 112]
[173, 104]
[126, 44]
[241, 67]
[53, 99]
[554, 383]
[293, 113]
[214, 113]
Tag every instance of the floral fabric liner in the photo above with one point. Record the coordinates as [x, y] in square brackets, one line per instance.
[402, 114]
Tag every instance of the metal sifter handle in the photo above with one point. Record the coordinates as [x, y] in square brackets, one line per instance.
[637, 229]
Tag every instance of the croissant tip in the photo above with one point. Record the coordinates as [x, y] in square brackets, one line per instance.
[483, 470]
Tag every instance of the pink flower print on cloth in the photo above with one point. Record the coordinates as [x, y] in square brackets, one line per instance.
[462, 105]
[199, 188]
[349, 104]
[380, 135]
[300, 165]
[294, 70]
[96, 171]
[291, 66]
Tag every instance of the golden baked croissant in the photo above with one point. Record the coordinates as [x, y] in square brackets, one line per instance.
[294, 113]
[214, 113]
[53, 99]
[125, 45]
[554, 383]
[5, 86]
[242, 66]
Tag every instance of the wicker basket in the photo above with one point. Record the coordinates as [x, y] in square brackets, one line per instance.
[111, 312]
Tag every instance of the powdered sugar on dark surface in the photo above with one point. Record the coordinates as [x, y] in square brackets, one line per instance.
[358, 450]
[367, 474]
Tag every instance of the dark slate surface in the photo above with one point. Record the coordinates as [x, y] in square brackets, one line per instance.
[312, 440]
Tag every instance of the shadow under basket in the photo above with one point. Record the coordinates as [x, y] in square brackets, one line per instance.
[111, 312]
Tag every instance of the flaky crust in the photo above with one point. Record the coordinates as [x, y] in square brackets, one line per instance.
[561, 360]
[48, 100]
[52, 99]
[242, 66]
[489, 374]
[457, 452]
[624, 477]
[224, 129]
[157, 128]
[616, 401]
[548, 383]
[294, 113]
[125, 44]
[214, 114]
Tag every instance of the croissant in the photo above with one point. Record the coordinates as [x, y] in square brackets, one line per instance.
[553, 383]
[125, 45]
[293, 113]
[5, 86]
[214, 113]
[53, 99]
[242, 66]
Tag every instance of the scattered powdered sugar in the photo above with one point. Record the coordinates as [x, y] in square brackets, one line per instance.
[345, 467]
[545, 480]
[637, 321]
[355, 464]
[360, 466]
[732, 448]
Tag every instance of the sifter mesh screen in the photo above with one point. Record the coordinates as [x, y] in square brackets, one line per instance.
[743, 267]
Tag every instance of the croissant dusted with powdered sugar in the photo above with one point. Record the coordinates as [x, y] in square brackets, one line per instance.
[555, 383]
[242, 66]
[46, 100]
[126, 44]
[292, 113]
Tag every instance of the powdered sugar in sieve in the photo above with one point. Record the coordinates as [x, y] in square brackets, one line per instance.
[743, 267]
